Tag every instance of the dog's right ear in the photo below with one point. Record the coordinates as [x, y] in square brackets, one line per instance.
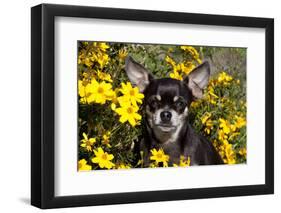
[198, 79]
[137, 74]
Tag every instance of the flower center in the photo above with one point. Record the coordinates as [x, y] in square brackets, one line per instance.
[159, 155]
[132, 92]
[88, 143]
[104, 156]
[130, 110]
[100, 90]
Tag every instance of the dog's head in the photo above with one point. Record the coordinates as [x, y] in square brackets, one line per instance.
[167, 100]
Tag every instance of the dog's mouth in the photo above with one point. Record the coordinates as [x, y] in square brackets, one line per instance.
[166, 127]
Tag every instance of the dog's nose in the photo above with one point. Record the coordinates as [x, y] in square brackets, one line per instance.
[166, 116]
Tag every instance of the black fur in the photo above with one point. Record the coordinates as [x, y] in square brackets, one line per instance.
[187, 142]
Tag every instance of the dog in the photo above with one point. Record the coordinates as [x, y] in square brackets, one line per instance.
[166, 105]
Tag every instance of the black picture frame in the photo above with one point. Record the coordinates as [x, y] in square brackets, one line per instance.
[43, 102]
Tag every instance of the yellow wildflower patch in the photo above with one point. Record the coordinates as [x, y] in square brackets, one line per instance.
[111, 111]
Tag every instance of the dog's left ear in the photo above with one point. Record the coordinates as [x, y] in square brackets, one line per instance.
[198, 79]
[137, 74]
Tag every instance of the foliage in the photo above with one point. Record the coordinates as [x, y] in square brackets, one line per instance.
[110, 109]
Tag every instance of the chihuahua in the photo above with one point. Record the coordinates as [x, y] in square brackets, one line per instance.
[166, 105]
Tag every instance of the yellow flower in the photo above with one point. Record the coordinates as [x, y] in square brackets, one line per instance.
[101, 45]
[232, 127]
[211, 96]
[207, 122]
[130, 94]
[106, 139]
[170, 61]
[104, 76]
[181, 69]
[82, 58]
[103, 158]
[243, 152]
[224, 125]
[176, 75]
[221, 135]
[103, 60]
[226, 152]
[224, 78]
[87, 76]
[229, 153]
[122, 54]
[177, 68]
[99, 92]
[159, 157]
[83, 93]
[83, 166]
[209, 126]
[87, 142]
[128, 113]
[88, 62]
[211, 91]
[206, 116]
[183, 162]
[194, 53]
[81, 88]
[113, 106]
[240, 122]
[186, 68]
[94, 54]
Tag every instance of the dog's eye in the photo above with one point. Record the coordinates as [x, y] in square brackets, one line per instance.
[180, 104]
[154, 103]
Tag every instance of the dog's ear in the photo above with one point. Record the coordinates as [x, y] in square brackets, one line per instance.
[198, 79]
[137, 74]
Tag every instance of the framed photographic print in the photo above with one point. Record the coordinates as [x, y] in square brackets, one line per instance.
[140, 106]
